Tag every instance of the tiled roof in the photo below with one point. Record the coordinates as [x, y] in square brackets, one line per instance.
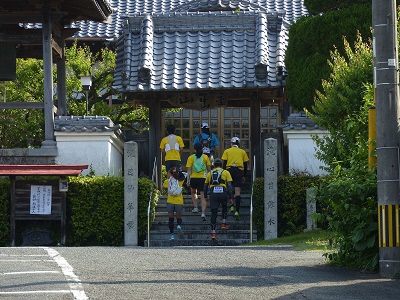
[197, 51]
[85, 124]
[177, 44]
[292, 9]
[300, 121]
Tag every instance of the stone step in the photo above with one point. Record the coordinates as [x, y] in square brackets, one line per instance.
[204, 234]
[197, 232]
[202, 225]
[187, 200]
[206, 242]
[188, 216]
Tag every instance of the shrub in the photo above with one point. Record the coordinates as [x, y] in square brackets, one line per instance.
[292, 208]
[96, 210]
[352, 218]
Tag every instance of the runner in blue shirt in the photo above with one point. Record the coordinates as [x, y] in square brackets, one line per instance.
[209, 141]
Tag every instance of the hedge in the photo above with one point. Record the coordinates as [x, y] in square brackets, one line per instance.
[95, 211]
[292, 208]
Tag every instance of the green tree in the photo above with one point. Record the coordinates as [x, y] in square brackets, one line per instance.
[23, 127]
[350, 192]
[101, 65]
[341, 107]
[311, 39]
[321, 6]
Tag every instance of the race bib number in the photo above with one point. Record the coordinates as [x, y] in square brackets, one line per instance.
[218, 189]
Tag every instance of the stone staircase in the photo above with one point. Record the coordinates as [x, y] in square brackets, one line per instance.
[197, 232]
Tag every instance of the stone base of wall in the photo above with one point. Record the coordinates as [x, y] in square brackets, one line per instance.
[25, 156]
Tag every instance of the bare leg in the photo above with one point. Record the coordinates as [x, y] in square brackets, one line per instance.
[237, 191]
[194, 197]
[203, 202]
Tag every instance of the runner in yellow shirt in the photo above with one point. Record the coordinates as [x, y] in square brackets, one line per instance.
[197, 166]
[173, 184]
[172, 146]
[235, 161]
[220, 182]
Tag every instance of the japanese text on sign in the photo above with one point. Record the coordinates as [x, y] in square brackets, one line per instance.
[41, 199]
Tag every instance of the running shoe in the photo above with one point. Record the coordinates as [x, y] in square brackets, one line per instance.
[232, 209]
[237, 217]
[195, 210]
[214, 236]
[203, 216]
[180, 232]
[224, 226]
[171, 237]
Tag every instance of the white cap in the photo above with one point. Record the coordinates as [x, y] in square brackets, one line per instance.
[204, 125]
[235, 140]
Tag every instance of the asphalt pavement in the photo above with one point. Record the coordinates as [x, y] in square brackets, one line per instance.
[265, 272]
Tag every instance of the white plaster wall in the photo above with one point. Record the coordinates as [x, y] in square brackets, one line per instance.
[301, 149]
[102, 151]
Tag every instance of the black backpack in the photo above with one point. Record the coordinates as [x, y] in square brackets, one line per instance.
[216, 177]
[205, 142]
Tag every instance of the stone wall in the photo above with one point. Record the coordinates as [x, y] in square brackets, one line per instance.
[24, 156]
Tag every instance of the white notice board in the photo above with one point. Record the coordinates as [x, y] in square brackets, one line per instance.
[41, 199]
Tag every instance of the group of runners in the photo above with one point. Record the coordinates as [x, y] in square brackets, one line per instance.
[208, 176]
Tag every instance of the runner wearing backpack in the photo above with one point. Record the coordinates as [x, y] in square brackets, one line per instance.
[198, 165]
[220, 182]
[174, 200]
[172, 146]
[235, 160]
[209, 141]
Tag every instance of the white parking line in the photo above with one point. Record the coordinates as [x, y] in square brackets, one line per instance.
[73, 280]
[36, 292]
[32, 272]
[25, 260]
[19, 255]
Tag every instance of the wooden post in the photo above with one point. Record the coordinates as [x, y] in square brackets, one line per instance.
[155, 137]
[63, 196]
[12, 211]
[255, 135]
[61, 82]
[48, 80]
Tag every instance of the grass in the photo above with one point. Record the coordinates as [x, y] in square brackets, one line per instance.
[317, 240]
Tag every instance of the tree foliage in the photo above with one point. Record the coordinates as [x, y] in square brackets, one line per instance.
[23, 128]
[350, 192]
[317, 6]
[311, 39]
[101, 65]
[351, 195]
[341, 107]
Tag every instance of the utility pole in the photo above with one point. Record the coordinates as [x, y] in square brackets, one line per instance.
[386, 81]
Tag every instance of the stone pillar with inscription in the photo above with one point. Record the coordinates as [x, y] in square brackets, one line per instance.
[311, 208]
[131, 193]
[270, 189]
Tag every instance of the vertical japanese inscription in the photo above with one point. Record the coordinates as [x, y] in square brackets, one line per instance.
[270, 189]
[130, 193]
